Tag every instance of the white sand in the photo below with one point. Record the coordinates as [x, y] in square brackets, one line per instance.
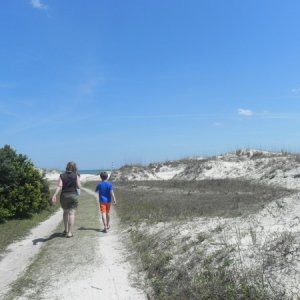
[54, 176]
[110, 280]
[278, 217]
[22, 252]
[255, 239]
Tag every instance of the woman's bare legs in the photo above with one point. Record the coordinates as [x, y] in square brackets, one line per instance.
[69, 220]
[66, 220]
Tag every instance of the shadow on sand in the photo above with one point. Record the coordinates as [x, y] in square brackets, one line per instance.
[88, 228]
[52, 236]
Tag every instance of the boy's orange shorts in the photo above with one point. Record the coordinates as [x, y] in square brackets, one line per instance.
[104, 207]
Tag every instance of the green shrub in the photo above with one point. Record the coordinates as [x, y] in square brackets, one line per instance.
[23, 191]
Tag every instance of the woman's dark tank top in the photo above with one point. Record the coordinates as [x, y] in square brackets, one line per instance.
[69, 180]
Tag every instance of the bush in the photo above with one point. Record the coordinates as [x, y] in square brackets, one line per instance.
[23, 191]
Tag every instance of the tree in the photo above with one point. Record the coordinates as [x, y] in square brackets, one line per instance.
[23, 190]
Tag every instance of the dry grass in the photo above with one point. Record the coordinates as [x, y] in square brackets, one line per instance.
[186, 267]
[155, 201]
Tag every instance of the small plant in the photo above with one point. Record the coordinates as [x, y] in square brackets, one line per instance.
[253, 235]
[201, 237]
[297, 158]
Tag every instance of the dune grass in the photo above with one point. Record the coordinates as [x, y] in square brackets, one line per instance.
[184, 271]
[156, 201]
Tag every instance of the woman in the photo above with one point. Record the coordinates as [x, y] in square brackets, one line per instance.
[68, 183]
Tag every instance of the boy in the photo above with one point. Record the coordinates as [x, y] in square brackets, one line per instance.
[106, 194]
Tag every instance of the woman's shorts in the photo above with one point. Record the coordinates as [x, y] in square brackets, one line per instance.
[104, 207]
[68, 200]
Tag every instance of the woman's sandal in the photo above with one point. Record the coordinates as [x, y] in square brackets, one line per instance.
[69, 236]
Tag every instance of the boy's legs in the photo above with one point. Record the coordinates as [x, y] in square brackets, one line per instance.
[104, 220]
[107, 215]
[103, 215]
[104, 208]
[107, 220]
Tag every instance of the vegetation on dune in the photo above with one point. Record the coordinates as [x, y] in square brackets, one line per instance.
[180, 258]
[190, 266]
[23, 191]
[155, 201]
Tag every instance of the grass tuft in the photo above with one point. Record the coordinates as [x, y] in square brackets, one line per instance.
[182, 264]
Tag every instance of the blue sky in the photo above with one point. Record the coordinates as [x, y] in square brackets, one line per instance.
[138, 81]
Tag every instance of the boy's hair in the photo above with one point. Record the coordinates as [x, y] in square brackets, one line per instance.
[103, 175]
[71, 167]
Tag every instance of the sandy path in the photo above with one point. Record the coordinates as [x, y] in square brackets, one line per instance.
[105, 273]
[21, 253]
[110, 279]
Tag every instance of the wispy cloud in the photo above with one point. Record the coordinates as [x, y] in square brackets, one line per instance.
[4, 111]
[6, 85]
[176, 117]
[281, 116]
[245, 112]
[265, 115]
[21, 125]
[38, 4]
[90, 85]
[218, 124]
[296, 91]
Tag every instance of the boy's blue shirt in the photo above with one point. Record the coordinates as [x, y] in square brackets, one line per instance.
[104, 188]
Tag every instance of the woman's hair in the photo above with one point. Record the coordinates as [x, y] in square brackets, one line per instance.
[71, 167]
[103, 175]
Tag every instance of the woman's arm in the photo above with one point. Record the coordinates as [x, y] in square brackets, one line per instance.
[78, 183]
[58, 188]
